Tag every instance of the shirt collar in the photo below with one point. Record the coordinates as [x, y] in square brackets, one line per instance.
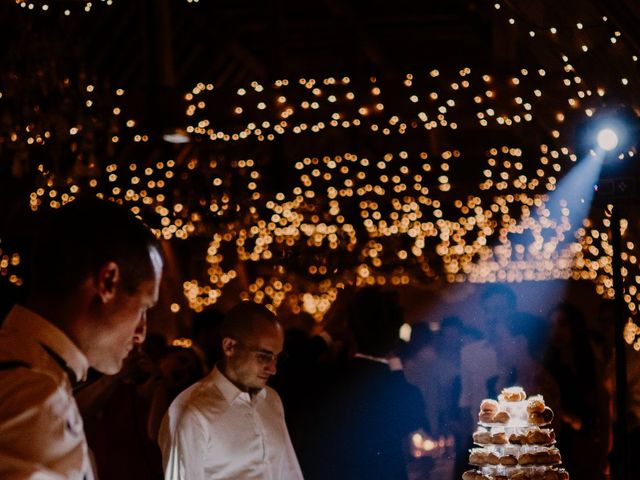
[229, 391]
[371, 357]
[30, 324]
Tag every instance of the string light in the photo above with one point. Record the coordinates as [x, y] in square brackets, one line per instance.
[404, 215]
[84, 6]
[282, 224]
[9, 267]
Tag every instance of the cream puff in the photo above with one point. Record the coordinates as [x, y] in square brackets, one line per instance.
[482, 437]
[513, 394]
[535, 405]
[499, 438]
[501, 417]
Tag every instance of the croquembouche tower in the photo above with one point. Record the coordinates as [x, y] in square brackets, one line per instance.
[514, 440]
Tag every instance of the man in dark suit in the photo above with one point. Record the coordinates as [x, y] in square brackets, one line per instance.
[365, 423]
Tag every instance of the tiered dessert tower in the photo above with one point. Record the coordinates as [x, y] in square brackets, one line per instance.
[515, 440]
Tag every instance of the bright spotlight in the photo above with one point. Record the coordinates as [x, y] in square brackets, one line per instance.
[607, 139]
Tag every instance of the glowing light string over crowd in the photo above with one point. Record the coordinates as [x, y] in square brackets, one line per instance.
[413, 203]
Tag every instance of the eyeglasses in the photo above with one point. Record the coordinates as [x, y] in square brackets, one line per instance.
[263, 357]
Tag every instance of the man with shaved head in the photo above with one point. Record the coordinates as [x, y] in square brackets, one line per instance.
[230, 425]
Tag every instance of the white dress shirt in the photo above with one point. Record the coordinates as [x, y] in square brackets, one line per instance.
[213, 430]
[41, 431]
[478, 363]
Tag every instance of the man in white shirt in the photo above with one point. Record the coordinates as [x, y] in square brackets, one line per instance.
[96, 272]
[487, 364]
[230, 425]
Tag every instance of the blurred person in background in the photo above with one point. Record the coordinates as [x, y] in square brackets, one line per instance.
[205, 333]
[486, 365]
[582, 433]
[489, 363]
[361, 426]
[179, 368]
[115, 412]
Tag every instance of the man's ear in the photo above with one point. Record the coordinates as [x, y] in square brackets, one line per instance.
[228, 346]
[107, 281]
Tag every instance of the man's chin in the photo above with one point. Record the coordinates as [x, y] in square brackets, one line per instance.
[261, 383]
[108, 368]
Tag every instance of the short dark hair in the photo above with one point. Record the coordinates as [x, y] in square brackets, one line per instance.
[81, 237]
[205, 322]
[500, 290]
[240, 321]
[375, 319]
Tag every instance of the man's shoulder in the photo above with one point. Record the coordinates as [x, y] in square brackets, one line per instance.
[195, 393]
[25, 360]
[202, 396]
[477, 346]
[271, 395]
[14, 346]
[269, 399]
[23, 389]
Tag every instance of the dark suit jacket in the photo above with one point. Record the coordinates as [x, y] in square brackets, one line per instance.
[363, 428]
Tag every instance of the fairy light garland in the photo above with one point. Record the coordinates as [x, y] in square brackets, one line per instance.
[47, 6]
[9, 263]
[393, 214]
[400, 198]
[586, 38]
[70, 7]
[553, 257]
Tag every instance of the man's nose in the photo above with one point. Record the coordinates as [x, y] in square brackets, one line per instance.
[271, 366]
[141, 330]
